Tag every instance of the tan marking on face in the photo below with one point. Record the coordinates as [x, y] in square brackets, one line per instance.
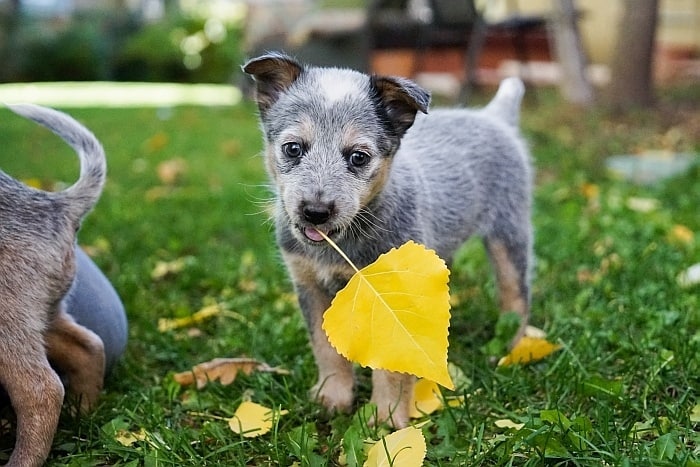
[377, 182]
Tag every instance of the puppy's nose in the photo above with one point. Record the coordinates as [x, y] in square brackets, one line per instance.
[317, 213]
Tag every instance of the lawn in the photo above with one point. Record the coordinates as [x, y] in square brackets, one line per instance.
[187, 190]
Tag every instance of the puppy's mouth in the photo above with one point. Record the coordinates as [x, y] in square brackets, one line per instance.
[315, 234]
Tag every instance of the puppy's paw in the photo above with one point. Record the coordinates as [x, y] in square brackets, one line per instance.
[392, 393]
[393, 413]
[335, 393]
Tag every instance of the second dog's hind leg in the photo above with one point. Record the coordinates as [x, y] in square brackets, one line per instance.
[78, 353]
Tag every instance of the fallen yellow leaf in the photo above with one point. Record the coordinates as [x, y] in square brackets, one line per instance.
[426, 398]
[680, 234]
[168, 324]
[157, 142]
[34, 183]
[252, 420]
[529, 349]
[224, 370]
[506, 423]
[394, 314]
[170, 171]
[405, 447]
[167, 268]
[590, 190]
[127, 438]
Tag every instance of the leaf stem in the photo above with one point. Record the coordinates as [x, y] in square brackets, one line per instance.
[337, 248]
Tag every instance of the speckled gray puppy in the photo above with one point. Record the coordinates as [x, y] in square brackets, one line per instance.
[354, 157]
[37, 267]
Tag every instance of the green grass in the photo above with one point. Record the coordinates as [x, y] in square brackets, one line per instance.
[620, 392]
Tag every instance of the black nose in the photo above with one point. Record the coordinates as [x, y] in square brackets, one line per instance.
[317, 213]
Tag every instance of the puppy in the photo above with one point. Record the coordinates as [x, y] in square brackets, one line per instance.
[37, 240]
[350, 156]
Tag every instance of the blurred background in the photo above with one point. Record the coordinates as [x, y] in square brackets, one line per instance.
[451, 46]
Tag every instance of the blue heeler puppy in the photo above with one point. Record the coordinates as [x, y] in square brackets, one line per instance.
[351, 156]
[37, 268]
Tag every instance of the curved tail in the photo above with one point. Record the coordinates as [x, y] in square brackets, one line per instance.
[506, 103]
[86, 191]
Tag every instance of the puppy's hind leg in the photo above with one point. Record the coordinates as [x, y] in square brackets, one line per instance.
[36, 393]
[78, 353]
[511, 263]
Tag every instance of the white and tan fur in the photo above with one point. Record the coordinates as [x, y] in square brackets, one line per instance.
[37, 267]
[352, 156]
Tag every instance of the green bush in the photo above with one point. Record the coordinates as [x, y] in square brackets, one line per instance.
[116, 47]
[76, 53]
[155, 54]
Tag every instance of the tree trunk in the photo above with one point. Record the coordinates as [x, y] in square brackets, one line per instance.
[570, 54]
[632, 82]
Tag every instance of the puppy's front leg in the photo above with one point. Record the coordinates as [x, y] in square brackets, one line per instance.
[334, 388]
[79, 354]
[392, 393]
[335, 385]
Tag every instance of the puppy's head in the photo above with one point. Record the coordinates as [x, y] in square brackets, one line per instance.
[330, 137]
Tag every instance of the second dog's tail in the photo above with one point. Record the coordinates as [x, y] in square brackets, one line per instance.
[93, 167]
[506, 103]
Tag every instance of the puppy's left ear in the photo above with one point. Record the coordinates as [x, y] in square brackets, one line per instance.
[402, 99]
[273, 74]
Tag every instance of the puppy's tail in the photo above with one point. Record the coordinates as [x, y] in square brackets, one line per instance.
[86, 191]
[506, 103]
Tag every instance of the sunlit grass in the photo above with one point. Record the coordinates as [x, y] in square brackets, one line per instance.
[122, 95]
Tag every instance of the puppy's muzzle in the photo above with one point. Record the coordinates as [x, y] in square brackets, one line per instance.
[316, 216]
[317, 213]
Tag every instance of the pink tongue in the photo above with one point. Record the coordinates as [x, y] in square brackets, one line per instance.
[312, 234]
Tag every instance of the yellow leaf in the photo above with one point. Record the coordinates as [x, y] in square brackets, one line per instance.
[127, 438]
[529, 349]
[170, 171]
[426, 398]
[506, 423]
[404, 447]
[590, 190]
[167, 268]
[34, 183]
[394, 314]
[157, 142]
[168, 324]
[223, 369]
[680, 234]
[252, 420]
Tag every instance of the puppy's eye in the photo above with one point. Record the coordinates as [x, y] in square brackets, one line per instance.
[292, 150]
[358, 158]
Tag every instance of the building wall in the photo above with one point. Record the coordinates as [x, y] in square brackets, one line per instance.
[679, 22]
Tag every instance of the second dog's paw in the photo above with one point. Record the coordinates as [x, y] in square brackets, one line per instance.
[334, 393]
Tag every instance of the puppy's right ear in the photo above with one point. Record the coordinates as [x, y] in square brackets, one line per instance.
[273, 74]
